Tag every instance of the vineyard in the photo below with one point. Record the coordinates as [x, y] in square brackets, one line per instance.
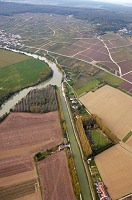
[38, 101]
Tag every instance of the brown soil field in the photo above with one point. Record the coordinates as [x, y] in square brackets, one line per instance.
[18, 190]
[111, 65]
[81, 43]
[97, 47]
[55, 178]
[129, 142]
[40, 127]
[32, 149]
[113, 106]
[126, 66]
[103, 50]
[82, 57]
[128, 77]
[109, 44]
[98, 56]
[15, 165]
[127, 87]
[91, 41]
[22, 136]
[110, 36]
[29, 197]
[115, 166]
[18, 178]
[75, 47]
[12, 58]
[120, 42]
[121, 56]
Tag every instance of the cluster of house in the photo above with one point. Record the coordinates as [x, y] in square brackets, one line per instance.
[74, 102]
[124, 31]
[102, 191]
[10, 40]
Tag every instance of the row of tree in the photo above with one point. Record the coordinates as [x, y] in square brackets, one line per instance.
[45, 75]
[83, 138]
[38, 101]
[96, 121]
[74, 176]
[61, 113]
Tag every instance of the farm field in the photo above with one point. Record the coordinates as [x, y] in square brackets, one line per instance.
[22, 136]
[129, 142]
[12, 58]
[114, 166]
[19, 75]
[88, 87]
[40, 128]
[74, 39]
[55, 177]
[108, 104]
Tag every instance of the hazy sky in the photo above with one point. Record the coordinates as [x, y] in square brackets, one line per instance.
[116, 1]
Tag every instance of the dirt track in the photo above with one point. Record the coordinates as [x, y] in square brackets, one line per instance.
[113, 106]
[115, 167]
[55, 178]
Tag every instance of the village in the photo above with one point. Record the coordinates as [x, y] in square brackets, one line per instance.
[10, 40]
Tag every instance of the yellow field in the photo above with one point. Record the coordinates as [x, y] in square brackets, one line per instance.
[129, 142]
[115, 167]
[113, 106]
[9, 58]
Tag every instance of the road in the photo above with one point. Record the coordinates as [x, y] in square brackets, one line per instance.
[84, 184]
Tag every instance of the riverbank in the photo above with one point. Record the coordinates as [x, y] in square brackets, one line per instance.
[53, 80]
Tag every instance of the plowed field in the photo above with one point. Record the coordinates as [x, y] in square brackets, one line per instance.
[22, 136]
[55, 178]
[115, 166]
[25, 129]
[16, 191]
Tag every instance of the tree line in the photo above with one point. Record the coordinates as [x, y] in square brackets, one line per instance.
[83, 138]
[61, 113]
[38, 101]
[74, 176]
[95, 121]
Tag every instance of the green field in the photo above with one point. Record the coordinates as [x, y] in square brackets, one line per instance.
[99, 139]
[94, 83]
[20, 75]
[8, 58]
[111, 79]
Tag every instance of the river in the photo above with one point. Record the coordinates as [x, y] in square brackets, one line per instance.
[55, 80]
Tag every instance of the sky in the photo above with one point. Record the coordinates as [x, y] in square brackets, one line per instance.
[117, 1]
[107, 1]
